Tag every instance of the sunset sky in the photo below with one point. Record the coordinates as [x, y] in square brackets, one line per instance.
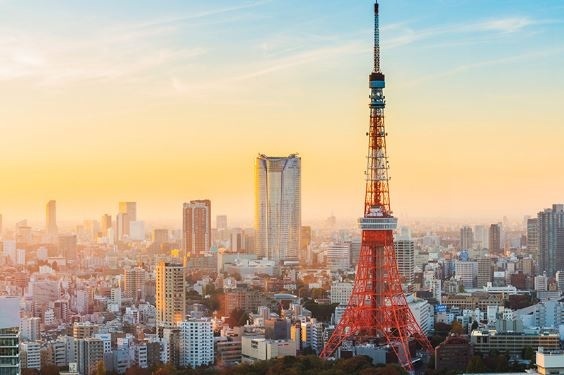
[162, 102]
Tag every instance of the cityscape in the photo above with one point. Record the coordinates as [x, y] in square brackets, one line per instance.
[206, 188]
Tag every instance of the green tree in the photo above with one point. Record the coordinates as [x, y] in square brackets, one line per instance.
[529, 354]
[476, 365]
[50, 370]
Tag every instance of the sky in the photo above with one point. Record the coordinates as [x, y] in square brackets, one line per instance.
[170, 101]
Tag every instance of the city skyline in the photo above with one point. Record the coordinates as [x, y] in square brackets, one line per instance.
[121, 103]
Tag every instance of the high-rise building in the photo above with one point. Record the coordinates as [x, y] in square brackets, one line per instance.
[466, 238]
[485, 273]
[30, 329]
[129, 208]
[278, 207]
[67, 246]
[221, 222]
[122, 226]
[481, 236]
[533, 237]
[466, 271]
[305, 241]
[30, 355]
[405, 254]
[134, 283]
[551, 239]
[196, 228]
[170, 295]
[338, 257]
[51, 218]
[196, 343]
[160, 236]
[495, 239]
[9, 335]
[105, 224]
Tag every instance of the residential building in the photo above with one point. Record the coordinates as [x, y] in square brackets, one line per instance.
[196, 343]
[170, 295]
[196, 228]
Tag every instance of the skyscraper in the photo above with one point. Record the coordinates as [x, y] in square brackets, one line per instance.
[105, 224]
[405, 254]
[551, 239]
[51, 218]
[170, 295]
[128, 211]
[495, 239]
[533, 237]
[196, 227]
[278, 207]
[485, 273]
[466, 238]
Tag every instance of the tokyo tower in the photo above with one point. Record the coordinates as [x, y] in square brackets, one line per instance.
[377, 311]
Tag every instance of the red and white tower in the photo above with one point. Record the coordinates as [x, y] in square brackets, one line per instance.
[377, 310]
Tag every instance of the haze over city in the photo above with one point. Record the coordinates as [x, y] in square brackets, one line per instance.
[161, 104]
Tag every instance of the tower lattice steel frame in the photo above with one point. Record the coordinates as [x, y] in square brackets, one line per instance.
[377, 310]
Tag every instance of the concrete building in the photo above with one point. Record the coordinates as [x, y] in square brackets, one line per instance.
[495, 239]
[30, 355]
[30, 329]
[134, 283]
[196, 343]
[9, 335]
[467, 271]
[485, 272]
[67, 246]
[551, 239]
[89, 352]
[196, 228]
[512, 342]
[51, 219]
[549, 361]
[170, 295]
[255, 348]
[278, 207]
[341, 292]
[466, 238]
[533, 237]
[338, 257]
[405, 255]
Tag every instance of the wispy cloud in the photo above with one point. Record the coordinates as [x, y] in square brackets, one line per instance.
[404, 34]
[481, 64]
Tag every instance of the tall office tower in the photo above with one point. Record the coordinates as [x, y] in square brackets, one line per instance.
[105, 224]
[305, 241]
[278, 207]
[378, 311]
[122, 226]
[466, 238]
[129, 208]
[551, 239]
[485, 272]
[196, 228]
[249, 240]
[481, 236]
[67, 246]
[9, 335]
[237, 242]
[170, 295]
[495, 239]
[466, 271]
[533, 237]
[134, 283]
[405, 254]
[51, 218]
[160, 236]
[221, 222]
[196, 343]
